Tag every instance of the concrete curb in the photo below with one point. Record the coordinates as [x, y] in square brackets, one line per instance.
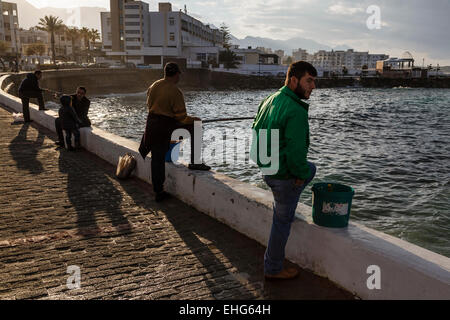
[345, 256]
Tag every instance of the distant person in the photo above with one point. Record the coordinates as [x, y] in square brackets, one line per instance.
[286, 112]
[70, 122]
[81, 105]
[29, 88]
[167, 112]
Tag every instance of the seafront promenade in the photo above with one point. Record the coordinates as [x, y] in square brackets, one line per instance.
[60, 209]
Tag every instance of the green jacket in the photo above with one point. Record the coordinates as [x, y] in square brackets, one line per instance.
[286, 112]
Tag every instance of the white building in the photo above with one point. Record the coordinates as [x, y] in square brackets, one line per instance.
[9, 25]
[335, 61]
[131, 33]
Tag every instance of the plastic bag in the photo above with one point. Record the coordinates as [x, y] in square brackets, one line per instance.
[125, 167]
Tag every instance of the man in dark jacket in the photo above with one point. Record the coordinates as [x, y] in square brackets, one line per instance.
[81, 105]
[29, 88]
[69, 121]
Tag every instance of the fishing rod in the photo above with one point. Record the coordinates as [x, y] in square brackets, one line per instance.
[252, 118]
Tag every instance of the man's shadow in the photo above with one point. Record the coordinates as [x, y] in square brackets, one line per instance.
[91, 194]
[24, 151]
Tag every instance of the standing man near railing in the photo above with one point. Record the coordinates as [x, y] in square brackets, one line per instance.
[29, 88]
[167, 112]
[281, 126]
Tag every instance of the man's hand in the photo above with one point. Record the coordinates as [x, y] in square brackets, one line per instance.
[196, 119]
[299, 182]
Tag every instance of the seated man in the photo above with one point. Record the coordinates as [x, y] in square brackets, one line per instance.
[69, 121]
[29, 88]
[81, 105]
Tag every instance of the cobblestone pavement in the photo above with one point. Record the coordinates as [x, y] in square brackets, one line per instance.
[61, 209]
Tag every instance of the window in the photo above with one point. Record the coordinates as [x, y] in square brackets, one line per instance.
[201, 56]
[132, 16]
[133, 31]
[172, 21]
[132, 23]
[133, 39]
[172, 36]
[134, 48]
[132, 6]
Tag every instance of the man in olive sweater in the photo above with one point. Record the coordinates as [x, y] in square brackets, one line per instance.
[281, 126]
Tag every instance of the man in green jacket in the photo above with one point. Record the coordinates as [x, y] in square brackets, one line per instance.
[280, 148]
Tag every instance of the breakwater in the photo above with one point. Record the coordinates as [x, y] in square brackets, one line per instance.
[106, 81]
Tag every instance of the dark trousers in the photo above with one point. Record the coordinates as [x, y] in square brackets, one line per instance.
[69, 133]
[160, 131]
[59, 130]
[26, 96]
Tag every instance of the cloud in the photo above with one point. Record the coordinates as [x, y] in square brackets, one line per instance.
[342, 9]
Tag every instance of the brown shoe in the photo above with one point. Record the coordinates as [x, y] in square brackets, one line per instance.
[285, 274]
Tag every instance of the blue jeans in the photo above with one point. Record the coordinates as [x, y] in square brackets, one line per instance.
[286, 196]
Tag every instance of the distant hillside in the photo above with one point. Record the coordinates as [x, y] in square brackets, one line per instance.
[81, 17]
[445, 69]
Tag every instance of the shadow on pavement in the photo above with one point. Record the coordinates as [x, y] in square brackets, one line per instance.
[24, 151]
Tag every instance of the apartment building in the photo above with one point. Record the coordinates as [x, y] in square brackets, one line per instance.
[131, 33]
[300, 55]
[335, 61]
[9, 24]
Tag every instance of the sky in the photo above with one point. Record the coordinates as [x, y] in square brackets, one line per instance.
[418, 26]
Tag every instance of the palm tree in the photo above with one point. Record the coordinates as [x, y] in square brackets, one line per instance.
[73, 34]
[84, 33]
[93, 36]
[52, 25]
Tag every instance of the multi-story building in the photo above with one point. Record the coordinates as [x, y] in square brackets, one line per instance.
[9, 25]
[30, 37]
[300, 55]
[131, 33]
[335, 61]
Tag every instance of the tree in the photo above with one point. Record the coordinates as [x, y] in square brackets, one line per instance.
[226, 36]
[52, 25]
[84, 34]
[35, 49]
[73, 34]
[288, 60]
[229, 59]
[344, 70]
[94, 35]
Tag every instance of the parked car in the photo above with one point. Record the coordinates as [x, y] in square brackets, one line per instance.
[143, 66]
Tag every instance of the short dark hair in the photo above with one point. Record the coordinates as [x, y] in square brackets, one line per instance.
[171, 69]
[82, 88]
[299, 69]
[38, 72]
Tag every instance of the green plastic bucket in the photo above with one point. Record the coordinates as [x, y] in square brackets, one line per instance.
[332, 203]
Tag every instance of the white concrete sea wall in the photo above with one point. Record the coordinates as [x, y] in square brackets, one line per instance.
[369, 263]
